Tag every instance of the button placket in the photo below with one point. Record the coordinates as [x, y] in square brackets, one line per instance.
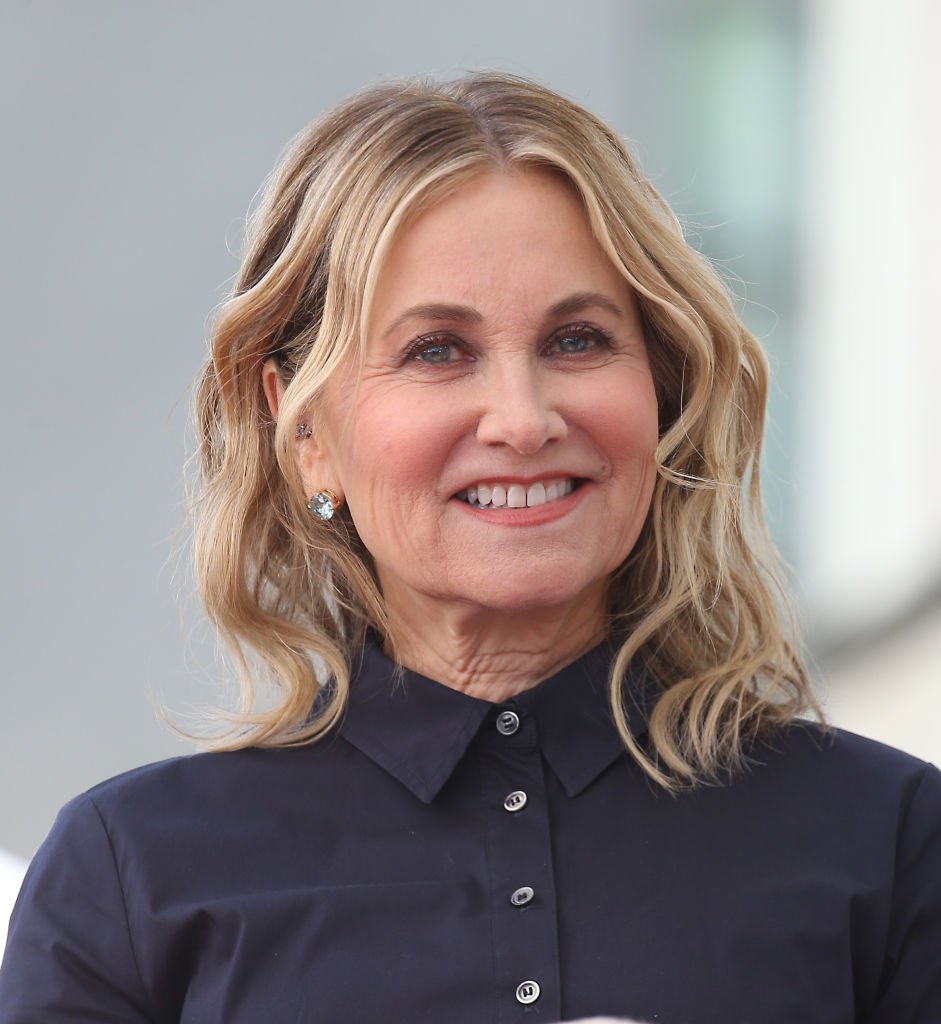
[519, 851]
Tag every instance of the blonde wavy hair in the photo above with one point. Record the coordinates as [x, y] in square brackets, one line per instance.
[697, 602]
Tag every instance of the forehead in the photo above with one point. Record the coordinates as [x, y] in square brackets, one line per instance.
[508, 240]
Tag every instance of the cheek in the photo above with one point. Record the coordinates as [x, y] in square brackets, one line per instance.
[404, 440]
[390, 470]
[633, 426]
[393, 465]
[625, 423]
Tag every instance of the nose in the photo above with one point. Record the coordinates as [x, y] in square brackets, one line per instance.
[519, 411]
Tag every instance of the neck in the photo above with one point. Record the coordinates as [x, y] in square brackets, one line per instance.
[488, 654]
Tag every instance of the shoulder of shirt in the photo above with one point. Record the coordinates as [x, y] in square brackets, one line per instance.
[802, 754]
[802, 732]
[800, 738]
[208, 778]
[829, 751]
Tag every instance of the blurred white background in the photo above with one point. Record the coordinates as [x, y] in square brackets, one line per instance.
[11, 877]
[799, 141]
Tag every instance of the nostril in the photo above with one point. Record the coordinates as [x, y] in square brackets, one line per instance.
[525, 431]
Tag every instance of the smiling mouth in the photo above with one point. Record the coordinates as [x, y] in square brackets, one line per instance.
[497, 495]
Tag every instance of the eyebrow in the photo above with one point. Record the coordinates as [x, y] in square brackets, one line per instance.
[585, 300]
[450, 312]
[442, 311]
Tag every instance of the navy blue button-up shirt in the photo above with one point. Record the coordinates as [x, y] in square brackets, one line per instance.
[426, 864]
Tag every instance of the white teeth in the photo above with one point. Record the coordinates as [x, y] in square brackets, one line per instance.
[536, 495]
[516, 495]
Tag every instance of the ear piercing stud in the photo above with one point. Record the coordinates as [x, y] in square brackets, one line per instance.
[324, 505]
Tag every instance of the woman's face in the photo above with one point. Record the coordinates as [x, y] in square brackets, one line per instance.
[505, 363]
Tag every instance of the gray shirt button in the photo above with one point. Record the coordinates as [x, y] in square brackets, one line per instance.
[527, 992]
[515, 801]
[507, 723]
[522, 896]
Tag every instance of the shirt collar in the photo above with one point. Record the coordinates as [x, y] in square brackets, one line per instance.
[418, 729]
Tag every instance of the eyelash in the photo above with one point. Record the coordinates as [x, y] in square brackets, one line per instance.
[600, 337]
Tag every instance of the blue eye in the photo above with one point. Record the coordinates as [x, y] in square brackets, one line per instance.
[439, 352]
[580, 339]
[572, 344]
[436, 350]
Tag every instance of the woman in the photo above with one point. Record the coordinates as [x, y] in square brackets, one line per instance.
[480, 435]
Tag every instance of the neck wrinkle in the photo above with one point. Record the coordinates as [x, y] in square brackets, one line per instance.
[496, 665]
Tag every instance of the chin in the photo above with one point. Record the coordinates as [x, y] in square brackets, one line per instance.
[546, 595]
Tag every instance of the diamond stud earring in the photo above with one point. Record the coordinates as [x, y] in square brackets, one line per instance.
[324, 505]
[302, 432]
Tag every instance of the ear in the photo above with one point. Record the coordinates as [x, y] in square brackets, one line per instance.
[313, 456]
[273, 386]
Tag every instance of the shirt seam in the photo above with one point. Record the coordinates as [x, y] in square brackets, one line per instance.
[906, 815]
[886, 979]
[127, 919]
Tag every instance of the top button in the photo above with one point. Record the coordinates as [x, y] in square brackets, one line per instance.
[508, 722]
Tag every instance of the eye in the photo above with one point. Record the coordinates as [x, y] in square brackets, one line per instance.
[435, 350]
[570, 343]
[577, 339]
[441, 352]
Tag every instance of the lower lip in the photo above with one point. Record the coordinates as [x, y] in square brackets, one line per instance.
[535, 516]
